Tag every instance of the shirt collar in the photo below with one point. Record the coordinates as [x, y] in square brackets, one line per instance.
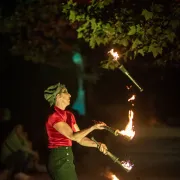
[59, 111]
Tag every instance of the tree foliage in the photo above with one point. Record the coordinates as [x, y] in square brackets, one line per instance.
[39, 31]
[133, 27]
[42, 29]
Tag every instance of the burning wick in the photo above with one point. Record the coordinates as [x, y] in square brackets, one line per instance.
[127, 165]
[129, 132]
[114, 54]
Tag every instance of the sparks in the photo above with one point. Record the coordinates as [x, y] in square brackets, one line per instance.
[128, 87]
[114, 54]
[132, 98]
[129, 132]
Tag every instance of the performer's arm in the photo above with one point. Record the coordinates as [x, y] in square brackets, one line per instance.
[85, 141]
[89, 143]
[65, 129]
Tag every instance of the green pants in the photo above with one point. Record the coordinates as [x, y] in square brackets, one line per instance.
[60, 164]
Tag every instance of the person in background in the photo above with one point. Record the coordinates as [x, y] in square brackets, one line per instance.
[62, 129]
[33, 164]
[15, 152]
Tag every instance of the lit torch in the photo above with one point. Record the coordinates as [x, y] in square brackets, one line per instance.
[129, 133]
[123, 69]
[125, 164]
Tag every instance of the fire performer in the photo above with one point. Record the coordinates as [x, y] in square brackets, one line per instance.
[62, 129]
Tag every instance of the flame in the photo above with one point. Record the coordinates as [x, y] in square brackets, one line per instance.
[129, 132]
[132, 98]
[114, 177]
[108, 174]
[114, 54]
[127, 165]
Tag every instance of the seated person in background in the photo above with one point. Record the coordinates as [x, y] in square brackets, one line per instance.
[15, 151]
[33, 162]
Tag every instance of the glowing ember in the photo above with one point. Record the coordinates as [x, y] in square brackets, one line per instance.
[113, 177]
[128, 87]
[108, 174]
[127, 165]
[129, 132]
[132, 98]
[114, 54]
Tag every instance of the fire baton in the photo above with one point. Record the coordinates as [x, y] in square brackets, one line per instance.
[124, 70]
[117, 132]
[126, 165]
[115, 56]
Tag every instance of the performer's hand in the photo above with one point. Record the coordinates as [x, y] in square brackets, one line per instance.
[103, 148]
[99, 125]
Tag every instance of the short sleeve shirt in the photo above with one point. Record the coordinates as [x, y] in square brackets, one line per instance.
[55, 138]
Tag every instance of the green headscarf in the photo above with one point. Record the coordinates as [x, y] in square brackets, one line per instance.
[51, 92]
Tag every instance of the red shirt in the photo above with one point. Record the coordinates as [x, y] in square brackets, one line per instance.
[55, 138]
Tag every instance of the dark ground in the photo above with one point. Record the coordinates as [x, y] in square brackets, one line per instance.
[154, 158]
[155, 153]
